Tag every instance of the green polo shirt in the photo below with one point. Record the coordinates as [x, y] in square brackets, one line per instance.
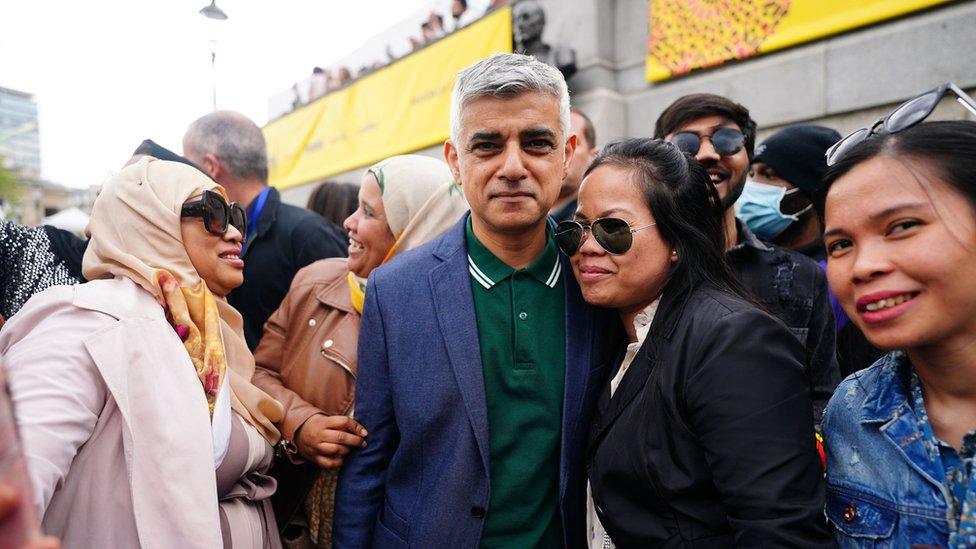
[522, 333]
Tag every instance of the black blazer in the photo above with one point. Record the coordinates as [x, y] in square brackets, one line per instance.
[287, 238]
[709, 440]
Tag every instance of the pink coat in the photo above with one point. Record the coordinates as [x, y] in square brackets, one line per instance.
[114, 421]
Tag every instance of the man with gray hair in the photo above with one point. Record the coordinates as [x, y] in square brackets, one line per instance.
[281, 238]
[477, 407]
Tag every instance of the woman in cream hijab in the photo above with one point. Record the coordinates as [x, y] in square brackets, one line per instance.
[132, 391]
[307, 355]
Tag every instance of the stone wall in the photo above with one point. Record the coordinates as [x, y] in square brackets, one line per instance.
[846, 81]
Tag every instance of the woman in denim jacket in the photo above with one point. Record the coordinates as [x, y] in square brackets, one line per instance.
[900, 220]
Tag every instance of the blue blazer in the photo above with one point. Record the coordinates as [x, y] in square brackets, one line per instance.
[423, 479]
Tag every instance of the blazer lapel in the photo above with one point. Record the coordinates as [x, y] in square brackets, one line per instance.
[634, 380]
[145, 383]
[450, 284]
[579, 362]
[645, 362]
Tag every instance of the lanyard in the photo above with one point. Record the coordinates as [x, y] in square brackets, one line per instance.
[254, 216]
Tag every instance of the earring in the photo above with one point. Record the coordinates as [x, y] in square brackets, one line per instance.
[674, 255]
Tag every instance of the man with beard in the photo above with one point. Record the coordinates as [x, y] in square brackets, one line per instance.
[720, 134]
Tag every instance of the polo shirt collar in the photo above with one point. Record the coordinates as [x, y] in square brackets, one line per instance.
[488, 270]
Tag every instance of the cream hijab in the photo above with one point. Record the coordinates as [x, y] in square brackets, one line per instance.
[135, 225]
[421, 202]
[420, 199]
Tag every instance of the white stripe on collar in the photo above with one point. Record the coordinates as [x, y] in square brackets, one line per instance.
[481, 277]
[554, 275]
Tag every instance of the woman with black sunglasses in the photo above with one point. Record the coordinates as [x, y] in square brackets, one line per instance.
[900, 233]
[132, 391]
[704, 434]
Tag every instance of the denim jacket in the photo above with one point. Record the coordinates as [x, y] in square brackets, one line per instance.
[884, 489]
[793, 288]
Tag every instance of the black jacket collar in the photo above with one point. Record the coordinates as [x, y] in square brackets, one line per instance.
[268, 216]
[673, 300]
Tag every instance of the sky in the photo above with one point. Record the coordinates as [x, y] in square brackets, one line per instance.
[107, 74]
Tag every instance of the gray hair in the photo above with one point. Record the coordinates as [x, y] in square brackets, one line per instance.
[507, 75]
[234, 139]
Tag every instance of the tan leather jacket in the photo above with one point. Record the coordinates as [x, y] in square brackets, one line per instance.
[307, 355]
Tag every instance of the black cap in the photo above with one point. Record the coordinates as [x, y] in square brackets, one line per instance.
[796, 154]
[155, 150]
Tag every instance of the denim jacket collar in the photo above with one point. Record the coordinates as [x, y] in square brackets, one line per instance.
[888, 397]
[887, 403]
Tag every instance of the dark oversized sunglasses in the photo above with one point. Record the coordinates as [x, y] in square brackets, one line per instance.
[217, 214]
[904, 116]
[725, 141]
[613, 234]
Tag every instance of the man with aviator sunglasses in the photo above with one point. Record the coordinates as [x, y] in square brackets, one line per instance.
[721, 135]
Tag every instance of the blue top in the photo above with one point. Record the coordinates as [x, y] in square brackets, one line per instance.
[958, 468]
[253, 212]
[890, 481]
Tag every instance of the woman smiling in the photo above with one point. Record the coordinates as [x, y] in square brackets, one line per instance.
[307, 356]
[132, 391]
[704, 436]
[900, 218]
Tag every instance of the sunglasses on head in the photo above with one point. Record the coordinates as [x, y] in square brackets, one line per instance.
[613, 234]
[904, 116]
[217, 214]
[725, 141]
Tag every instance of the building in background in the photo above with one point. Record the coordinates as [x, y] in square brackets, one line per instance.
[20, 144]
[832, 62]
[20, 150]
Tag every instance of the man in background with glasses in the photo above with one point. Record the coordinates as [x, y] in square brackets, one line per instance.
[721, 135]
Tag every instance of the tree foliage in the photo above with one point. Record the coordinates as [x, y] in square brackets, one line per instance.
[9, 186]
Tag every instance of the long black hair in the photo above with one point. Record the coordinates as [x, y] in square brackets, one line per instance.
[685, 206]
[948, 147]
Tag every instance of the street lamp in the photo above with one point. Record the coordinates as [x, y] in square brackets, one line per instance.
[215, 14]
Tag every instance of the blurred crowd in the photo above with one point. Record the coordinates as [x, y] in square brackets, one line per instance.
[433, 28]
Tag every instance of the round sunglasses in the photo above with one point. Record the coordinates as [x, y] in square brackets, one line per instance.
[217, 214]
[613, 234]
[904, 116]
[725, 141]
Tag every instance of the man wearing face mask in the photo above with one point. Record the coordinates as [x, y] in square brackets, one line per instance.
[777, 201]
[721, 135]
[777, 205]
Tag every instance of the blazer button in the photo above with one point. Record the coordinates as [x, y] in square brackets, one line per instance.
[478, 512]
[850, 513]
[327, 343]
[311, 322]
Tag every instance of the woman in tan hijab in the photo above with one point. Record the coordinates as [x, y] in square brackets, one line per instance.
[132, 391]
[307, 356]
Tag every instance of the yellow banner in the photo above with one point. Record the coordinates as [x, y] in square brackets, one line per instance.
[401, 108]
[691, 34]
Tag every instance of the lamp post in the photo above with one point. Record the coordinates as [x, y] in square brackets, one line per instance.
[214, 14]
